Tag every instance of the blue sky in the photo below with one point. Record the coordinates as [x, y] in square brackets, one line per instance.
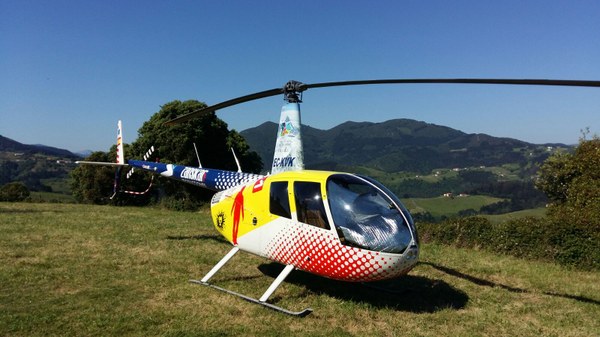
[70, 69]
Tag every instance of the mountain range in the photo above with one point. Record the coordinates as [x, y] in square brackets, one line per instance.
[9, 145]
[396, 152]
[398, 145]
[392, 146]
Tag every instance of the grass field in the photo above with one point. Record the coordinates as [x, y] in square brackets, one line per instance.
[443, 206]
[51, 197]
[80, 270]
[498, 218]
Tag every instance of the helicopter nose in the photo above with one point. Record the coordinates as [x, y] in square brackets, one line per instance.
[412, 253]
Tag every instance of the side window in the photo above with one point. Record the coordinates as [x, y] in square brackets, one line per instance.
[309, 204]
[279, 202]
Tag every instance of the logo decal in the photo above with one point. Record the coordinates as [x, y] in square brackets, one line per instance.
[284, 162]
[258, 185]
[287, 128]
[194, 174]
[221, 220]
[169, 171]
[237, 210]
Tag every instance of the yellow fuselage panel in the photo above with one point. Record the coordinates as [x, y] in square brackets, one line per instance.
[245, 208]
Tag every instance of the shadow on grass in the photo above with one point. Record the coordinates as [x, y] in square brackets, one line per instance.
[28, 210]
[487, 283]
[213, 237]
[408, 293]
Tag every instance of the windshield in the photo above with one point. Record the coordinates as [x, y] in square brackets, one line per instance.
[405, 211]
[365, 217]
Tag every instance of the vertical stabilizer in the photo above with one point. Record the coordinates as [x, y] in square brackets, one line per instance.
[289, 153]
[120, 152]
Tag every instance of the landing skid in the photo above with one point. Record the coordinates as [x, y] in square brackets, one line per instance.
[302, 313]
[263, 299]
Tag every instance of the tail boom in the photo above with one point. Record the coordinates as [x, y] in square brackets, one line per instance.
[213, 179]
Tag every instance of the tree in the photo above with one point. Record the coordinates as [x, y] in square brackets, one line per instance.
[572, 183]
[172, 144]
[175, 144]
[210, 134]
[14, 191]
[91, 183]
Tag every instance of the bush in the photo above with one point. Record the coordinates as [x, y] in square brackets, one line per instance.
[569, 244]
[572, 183]
[576, 244]
[180, 203]
[14, 192]
[459, 232]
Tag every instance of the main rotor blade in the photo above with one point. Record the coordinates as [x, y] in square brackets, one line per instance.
[546, 82]
[294, 86]
[247, 98]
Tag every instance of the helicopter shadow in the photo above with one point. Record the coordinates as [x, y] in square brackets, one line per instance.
[409, 293]
[212, 237]
[486, 283]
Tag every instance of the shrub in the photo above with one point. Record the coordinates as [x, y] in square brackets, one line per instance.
[570, 244]
[14, 192]
[179, 203]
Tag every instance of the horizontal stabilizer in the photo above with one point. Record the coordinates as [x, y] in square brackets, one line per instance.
[99, 163]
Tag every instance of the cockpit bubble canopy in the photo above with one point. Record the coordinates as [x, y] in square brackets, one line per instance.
[368, 216]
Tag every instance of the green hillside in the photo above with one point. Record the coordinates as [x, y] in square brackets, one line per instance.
[399, 145]
[36, 166]
[500, 218]
[448, 206]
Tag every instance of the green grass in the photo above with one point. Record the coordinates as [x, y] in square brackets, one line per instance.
[58, 185]
[444, 206]
[81, 270]
[51, 197]
[499, 218]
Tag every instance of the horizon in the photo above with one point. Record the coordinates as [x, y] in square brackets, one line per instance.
[81, 151]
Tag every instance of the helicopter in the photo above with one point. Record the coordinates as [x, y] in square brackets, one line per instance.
[338, 225]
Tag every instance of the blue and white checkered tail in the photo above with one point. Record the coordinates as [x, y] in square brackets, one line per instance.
[216, 180]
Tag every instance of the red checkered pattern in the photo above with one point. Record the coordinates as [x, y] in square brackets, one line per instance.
[319, 251]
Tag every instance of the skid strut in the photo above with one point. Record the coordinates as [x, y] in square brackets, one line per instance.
[263, 299]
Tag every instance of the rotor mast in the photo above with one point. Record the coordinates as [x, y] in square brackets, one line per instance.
[289, 150]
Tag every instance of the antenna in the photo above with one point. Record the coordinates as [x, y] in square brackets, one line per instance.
[236, 161]
[197, 156]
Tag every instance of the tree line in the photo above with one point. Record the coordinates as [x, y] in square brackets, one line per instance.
[172, 144]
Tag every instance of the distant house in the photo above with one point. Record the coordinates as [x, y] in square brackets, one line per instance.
[448, 195]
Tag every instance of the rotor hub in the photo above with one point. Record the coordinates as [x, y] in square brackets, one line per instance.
[292, 91]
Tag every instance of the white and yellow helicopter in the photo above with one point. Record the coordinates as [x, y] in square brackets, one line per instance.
[338, 225]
